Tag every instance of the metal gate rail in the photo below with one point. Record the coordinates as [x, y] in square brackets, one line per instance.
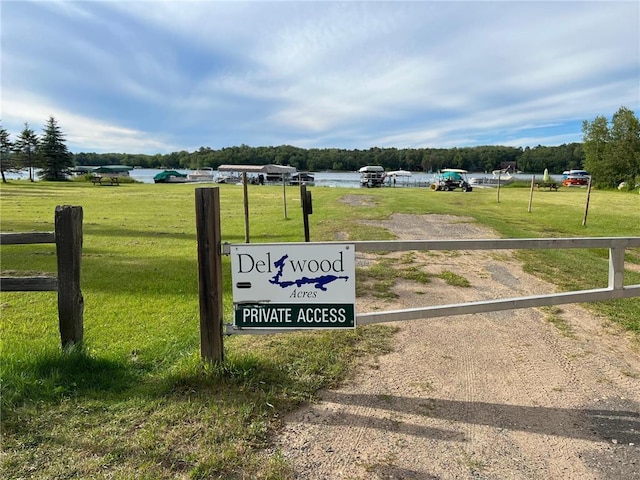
[615, 288]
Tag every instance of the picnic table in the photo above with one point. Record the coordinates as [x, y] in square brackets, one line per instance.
[105, 180]
[546, 186]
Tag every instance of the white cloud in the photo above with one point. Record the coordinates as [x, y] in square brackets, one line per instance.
[82, 133]
[315, 73]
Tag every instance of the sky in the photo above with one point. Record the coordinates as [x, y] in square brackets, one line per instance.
[153, 77]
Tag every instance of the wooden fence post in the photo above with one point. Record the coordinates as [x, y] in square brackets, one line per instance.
[305, 200]
[68, 234]
[533, 180]
[210, 273]
[586, 206]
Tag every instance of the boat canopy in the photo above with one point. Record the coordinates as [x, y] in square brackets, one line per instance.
[166, 174]
[302, 175]
[371, 169]
[269, 169]
[108, 169]
[113, 169]
[399, 173]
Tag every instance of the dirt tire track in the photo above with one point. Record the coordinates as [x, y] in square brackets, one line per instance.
[488, 396]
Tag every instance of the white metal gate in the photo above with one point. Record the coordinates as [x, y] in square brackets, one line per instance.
[614, 289]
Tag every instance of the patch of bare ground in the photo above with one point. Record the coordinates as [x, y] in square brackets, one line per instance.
[358, 200]
[548, 393]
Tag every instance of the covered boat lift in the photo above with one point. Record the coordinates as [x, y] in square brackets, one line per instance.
[269, 169]
[399, 176]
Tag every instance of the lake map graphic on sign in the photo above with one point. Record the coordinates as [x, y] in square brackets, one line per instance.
[318, 282]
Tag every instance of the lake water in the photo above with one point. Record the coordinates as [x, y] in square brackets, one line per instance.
[349, 179]
[322, 179]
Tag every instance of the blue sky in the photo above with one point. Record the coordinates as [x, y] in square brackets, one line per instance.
[157, 77]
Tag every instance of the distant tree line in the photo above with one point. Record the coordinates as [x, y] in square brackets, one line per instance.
[611, 152]
[484, 159]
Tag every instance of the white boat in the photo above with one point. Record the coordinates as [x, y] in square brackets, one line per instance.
[303, 178]
[575, 178]
[205, 174]
[372, 176]
[502, 172]
[228, 178]
[489, 182]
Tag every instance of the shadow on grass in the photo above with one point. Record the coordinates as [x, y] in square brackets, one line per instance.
[253, 379]
[53, 376]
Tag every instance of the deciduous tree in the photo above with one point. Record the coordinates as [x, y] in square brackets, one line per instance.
[625, 146]
[612, 152]
[597, 147]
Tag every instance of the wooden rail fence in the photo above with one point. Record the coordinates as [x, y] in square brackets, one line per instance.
[68, 240]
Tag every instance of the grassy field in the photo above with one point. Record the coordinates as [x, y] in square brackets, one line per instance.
[136, 401]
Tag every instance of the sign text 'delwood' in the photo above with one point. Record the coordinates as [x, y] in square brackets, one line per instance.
[284, 285]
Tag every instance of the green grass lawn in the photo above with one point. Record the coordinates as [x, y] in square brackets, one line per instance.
[137, 402]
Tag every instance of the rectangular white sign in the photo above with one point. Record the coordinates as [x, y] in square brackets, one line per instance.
[299, 273]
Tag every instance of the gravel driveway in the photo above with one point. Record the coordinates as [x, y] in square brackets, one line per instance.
[486, 396]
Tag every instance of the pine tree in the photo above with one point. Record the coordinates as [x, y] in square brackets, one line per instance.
[56, 159]
[26, 148]
[6, 157]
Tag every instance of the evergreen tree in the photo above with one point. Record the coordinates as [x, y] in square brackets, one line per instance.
[6, 157]
[56, 159]
[26, 148]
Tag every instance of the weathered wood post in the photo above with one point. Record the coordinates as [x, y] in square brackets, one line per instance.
[586, 207]
[533, 180]
[307, 209]
[68, 235]
[210, 273]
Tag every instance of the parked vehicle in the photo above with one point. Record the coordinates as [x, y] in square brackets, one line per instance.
[451, 178]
